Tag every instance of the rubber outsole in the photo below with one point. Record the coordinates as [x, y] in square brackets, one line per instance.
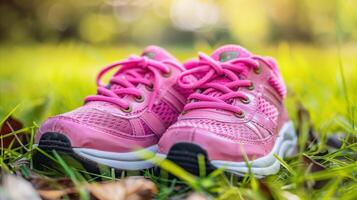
[51, 142]
[80, 157]
[186, 155]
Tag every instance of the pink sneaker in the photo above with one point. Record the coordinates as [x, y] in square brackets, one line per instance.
[126, 116]
[237, 112]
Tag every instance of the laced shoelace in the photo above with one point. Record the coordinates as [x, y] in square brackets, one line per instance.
[133, 71]
[233, 70]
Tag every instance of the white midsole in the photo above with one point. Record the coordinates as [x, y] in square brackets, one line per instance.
[127, 161]
[285, 145]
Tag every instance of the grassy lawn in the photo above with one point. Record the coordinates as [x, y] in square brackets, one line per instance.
[43, 80]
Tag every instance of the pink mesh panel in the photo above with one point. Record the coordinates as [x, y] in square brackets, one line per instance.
[108, 107]
[147, 129]
[235, 132]
[278, 84]
[165, 112]
[100, 120]
[268, 109]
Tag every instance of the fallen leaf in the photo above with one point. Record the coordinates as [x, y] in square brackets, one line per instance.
[265, 189]
[197, 196]
[314, 166]
[10, 125]
[53, 188]
[127, 189]
[304, 119]
[107, 191]
[45, 183]
[56, 194]
[16, 188]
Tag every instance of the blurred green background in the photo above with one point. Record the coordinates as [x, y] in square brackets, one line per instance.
[51, 50]
[177, 22]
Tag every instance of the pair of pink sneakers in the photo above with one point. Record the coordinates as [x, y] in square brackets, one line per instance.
[228, 106]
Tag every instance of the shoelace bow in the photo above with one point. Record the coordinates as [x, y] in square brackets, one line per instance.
[233, 70]
[133, 72]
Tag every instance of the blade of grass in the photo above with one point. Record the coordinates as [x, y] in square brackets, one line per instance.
[172, 168]
[71, 174]
[285, 165]
[201, 165]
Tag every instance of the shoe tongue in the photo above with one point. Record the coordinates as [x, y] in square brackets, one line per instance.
[223, 54]
[229, 52]
[157, 53]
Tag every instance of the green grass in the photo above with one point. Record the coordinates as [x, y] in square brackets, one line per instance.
[43, 80]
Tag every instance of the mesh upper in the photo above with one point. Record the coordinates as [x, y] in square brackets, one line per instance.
[103, 115]
[268, 109]
[147, 129]
[90, 115]
[238, 132]
[257, 129]
[165, 112]
[100, 120]
[235, 132]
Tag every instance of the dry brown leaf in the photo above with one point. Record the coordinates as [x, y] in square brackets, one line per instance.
[197, 196]
[304, 121]
[15, 187]
[313, 166]
[10, 125]
[45, 183]
[265, 189]
[55, 194]
[107, 191]
[127, 189]
[52, 188]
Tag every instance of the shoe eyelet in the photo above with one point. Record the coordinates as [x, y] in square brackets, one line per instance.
[251, 87]
[167, 74]
[258, 70]
[245, 101]
[150, 87]
[240, 115]
[140, 99]
[190, 100]
[128, 110]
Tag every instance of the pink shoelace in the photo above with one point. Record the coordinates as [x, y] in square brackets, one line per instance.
[233, 70]
[133, 71]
